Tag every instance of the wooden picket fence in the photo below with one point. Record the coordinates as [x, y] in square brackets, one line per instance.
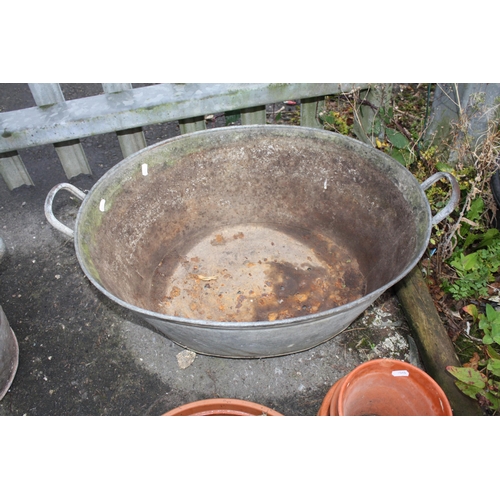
[125, 110]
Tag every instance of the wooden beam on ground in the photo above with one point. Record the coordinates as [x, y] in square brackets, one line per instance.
[435, 346]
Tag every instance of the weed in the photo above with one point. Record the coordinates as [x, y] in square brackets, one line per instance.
[334, 120]
[479, 378]
[474, 271]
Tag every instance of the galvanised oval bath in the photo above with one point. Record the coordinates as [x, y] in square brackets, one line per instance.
[252, 241]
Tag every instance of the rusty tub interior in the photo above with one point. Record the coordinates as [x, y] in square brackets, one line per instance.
[249, 225]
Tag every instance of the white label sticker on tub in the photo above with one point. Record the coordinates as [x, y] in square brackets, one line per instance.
[101, 205]
[400, 373]
[144, 169]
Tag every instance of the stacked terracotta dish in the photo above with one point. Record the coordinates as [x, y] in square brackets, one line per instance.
[386, 387]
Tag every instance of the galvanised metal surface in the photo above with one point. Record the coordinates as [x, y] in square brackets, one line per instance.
[9, 354]
[141, 220]
[3, 249]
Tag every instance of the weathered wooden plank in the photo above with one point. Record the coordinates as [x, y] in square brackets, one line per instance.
[434, 344]
[310, 110]
[70, 153]
[13, 171]
[142, 106]
[253, 116]
[192, 125]
[131, 140]
[46, 94]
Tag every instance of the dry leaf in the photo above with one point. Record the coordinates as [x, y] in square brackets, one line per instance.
[473, 362]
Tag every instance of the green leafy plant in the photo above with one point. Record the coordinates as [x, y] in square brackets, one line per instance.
[480, 377]
[232, 118]
[391, 137]
[490, 324]
[334, 120]
[400, 150]
[476, 259]
[474, 270]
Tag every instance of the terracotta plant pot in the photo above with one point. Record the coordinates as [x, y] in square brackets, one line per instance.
[331, 398]
[223, 407]
[386, 387]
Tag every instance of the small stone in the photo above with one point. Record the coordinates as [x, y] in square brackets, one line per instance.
[185, 359]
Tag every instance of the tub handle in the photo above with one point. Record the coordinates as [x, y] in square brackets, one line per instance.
[49, 214]
[454, 199]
